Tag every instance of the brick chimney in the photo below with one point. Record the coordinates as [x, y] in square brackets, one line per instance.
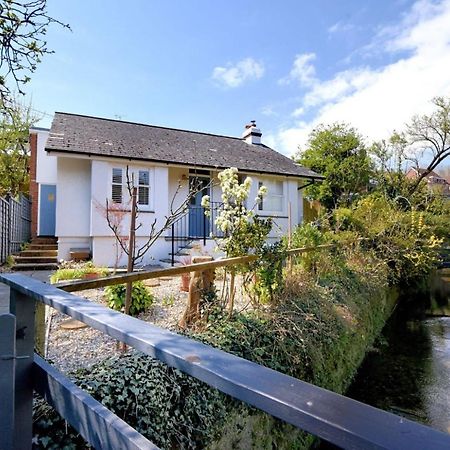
[252, 134]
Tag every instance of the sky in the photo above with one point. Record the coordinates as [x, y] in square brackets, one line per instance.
[214, 66]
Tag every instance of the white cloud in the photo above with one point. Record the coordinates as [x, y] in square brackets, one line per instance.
[303, 70]
[340, 27]
[298, 112]
[234, 75]
[377, 101]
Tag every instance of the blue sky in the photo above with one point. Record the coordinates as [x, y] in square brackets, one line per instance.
[213, 66]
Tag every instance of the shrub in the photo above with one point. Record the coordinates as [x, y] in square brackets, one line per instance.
[74, 271]
[141, 297]
[173, 410]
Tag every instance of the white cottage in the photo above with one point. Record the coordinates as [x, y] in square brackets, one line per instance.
[82, 161]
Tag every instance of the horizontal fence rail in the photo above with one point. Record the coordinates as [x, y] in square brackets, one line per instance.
[73, 286]
[335, 418]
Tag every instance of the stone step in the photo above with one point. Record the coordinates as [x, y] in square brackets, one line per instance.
[44, 240]
[167, 262]
[44, 253]
[35, 259]
[42, 247]
[35, 266]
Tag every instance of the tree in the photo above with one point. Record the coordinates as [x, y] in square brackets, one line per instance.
[430, 136]
[390, 157]
[338, 152]
[23, 26]
[14, 149]
[115, 213]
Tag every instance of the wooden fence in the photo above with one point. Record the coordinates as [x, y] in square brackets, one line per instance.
[74, 286]
[15, 224]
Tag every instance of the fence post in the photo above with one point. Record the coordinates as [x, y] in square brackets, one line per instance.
[23, 308]
[7, 369]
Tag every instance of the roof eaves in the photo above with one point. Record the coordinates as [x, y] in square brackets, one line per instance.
[168, 162]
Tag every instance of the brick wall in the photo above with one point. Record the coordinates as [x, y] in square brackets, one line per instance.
[34, 189]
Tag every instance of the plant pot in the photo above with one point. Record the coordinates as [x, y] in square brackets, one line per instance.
[185, 280]
[91, 276]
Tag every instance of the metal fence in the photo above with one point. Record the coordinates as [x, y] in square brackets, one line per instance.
[15, 224]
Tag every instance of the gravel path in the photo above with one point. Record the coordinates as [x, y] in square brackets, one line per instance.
[72, 349]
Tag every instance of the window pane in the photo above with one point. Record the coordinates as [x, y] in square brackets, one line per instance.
[273, 203]
[275, 188]
[143, 195]
[117, 176]
[117, 193]
[144, 177]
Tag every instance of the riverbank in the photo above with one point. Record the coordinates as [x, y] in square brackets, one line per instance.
[318, 329]
[409, 371]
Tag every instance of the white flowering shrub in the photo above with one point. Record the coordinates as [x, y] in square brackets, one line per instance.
[243, 231]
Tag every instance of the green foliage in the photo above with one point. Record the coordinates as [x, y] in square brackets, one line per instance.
[75, 271]
[14, 148]
[171, 409]
[141, 297]
[337, 151]
[23, 28]
[408, 241]
[268, 270]
[10, 261]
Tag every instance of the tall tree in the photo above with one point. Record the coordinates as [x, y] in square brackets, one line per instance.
[23, 26]
[15, 123]
[338, 152]
[429, 136]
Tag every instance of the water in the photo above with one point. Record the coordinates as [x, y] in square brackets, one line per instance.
[409, 371]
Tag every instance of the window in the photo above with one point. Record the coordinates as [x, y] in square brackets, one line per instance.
[274, 200]
[117, 185]
[144, 188]
[140, 178]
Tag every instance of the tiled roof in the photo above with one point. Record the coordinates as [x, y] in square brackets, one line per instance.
[86, 135]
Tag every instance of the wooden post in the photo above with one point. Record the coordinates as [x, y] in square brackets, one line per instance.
[200, 281]
[289, 261]
[131, 245]
[40, 327]
[232, 289]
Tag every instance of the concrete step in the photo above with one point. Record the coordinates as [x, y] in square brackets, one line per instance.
[35, 259]
[35, 266]
[44, 253]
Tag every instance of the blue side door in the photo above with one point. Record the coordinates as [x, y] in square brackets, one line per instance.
[47, 210]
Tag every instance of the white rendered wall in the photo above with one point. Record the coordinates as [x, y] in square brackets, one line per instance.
[46, 165]
[73, 199]
[104, 243]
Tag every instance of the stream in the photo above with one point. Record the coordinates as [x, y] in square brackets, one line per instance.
[408, 372]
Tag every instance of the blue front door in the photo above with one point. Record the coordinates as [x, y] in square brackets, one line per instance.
[47, 210]
[198, 222]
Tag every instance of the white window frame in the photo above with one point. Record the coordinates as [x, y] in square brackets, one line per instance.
[134, 173]
[262, 206]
